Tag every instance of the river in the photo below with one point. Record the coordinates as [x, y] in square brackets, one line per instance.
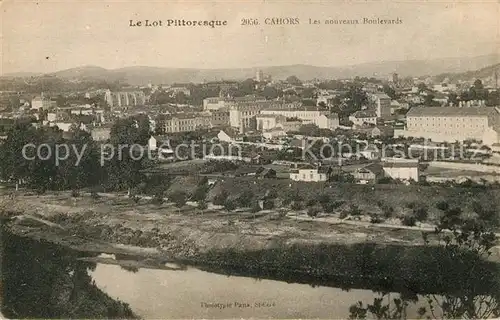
[43, 280]
[193, 293]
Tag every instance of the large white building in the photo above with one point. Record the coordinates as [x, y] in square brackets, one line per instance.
[402, 169]
[125, 98]
[308, 175]
[323, 119]
[42, 103]
[453, 124]
[212, 104]
[362, 117]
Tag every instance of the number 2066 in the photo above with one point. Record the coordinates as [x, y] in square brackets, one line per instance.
[249, 22]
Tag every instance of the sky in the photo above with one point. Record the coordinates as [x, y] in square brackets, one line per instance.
[48, 36]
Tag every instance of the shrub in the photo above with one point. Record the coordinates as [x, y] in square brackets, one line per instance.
[94, 194]
[229, 205]
[312, 211]
[385, 180]
[311, 202]
[343, 215]
[220, 198]
[420, 213]
[179, 198]
[136, 198]
[442, 205]
[158, 198]
[324, 199]
[202, 205]
[354, 210]
[268, 204]
[387, 210]
[297, 205]
[75, 193]
[245, 199]
[255, 207]
[328, 207]
[408, 220]
[375, 218]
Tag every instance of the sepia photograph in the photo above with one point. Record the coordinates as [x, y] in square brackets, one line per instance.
[250, 159]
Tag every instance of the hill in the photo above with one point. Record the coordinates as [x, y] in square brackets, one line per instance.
[471, 75]
[142, 75]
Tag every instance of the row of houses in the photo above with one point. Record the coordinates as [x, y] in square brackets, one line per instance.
[393, 168]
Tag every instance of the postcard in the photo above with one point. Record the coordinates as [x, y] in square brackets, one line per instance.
[250, 159]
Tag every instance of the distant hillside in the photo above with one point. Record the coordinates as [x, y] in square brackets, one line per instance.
[143, 75]
[470, 75]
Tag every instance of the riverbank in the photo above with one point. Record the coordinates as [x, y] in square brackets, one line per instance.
[263, 245]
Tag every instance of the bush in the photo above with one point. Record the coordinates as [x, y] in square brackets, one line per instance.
[324, 199]
[158, 198]
[268, 204]
[420, 213]
[442, 205]
[297, 205]
[343, 215]
[75, 193]
[354, 210]
[255, 207]
[312, 211]
[136, 198]
[229, 205]
[311, 202]
[408, 220]
[179, 198]
[202, 205]
[375, 218]
[245, 199]
[220, 198]
[94, 195]
[385, 180]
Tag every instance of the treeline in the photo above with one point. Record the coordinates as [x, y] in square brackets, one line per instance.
[46, 159]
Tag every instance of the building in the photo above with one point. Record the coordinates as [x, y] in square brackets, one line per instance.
[259, 76]
[360, 118]
[124, 98]
[323, 119]
[101, 133]
[242, 116]
[382, 104]
[42, 103]
[268, 121]
[220, 117]
[451, 123]
[308, 175]
[402, 169]
[175, 90]
[369, 173]
[216, 103]
[186, 122]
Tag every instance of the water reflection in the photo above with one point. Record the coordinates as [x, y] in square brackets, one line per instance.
[40, 280]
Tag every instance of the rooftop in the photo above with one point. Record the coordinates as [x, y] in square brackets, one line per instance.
[452, 111]
[364, 114]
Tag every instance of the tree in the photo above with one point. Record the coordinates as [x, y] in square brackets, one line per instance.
[388, 90]
[229, 205]
[270, 93]
[245, 199]
[293, 80]
[465, 245]
[179, 198]
[312, 211]
[220, 198]
[202, 205]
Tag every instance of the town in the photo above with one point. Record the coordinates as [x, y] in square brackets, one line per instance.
[330, 182]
